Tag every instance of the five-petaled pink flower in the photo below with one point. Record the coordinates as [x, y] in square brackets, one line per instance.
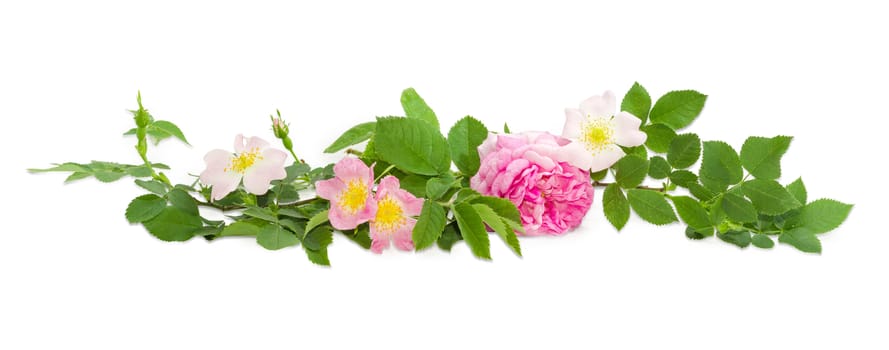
[350, 194]
[394, 217]
[253, 161]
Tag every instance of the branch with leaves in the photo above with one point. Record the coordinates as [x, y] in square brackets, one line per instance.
[415, 186]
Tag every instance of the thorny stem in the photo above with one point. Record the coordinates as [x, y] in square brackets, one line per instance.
[604, 184]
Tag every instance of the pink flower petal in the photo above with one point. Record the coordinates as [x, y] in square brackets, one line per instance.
[379, 240]
[258, 144]
[627, 131]
[403, 236]
[270, 167]
[348, 169]
[329, 189]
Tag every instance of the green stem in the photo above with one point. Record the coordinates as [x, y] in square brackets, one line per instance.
[605, 184]
[384, 173]
[238, 207]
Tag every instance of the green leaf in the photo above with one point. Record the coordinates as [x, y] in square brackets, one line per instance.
[430, 225]
[415, 107]
[240, 228]
[153, 186]
[659, 137]
[631, 171]
[700, 192]
[496, 223]
[77, 176]
[503, 207]
[615, 206]
[144, 208]
[436, 187]
[448, 238]
[721, 166]
[360, 235]
[762, 156]
[738, 208]
[739, 238]
[317, 219]
[173, 225]
[182, 200]
[637, 102]
[803, 239]
[769, 197]
[412, 145]
[274, 237]
[473, 230]
[692, 234]
[168, 128]
[762, 241]
[464, 138]
[72, 167]
[798, 190]
[651, 206]
[321, 238]
[677, 109]
[685, 150]
[658, 168]
[692, 213]
[599, 175]
[824, 215]
[639, 151]
[108, 176]
[506, 129]
[296, 170]
[415, 184]
[683, 178]
[355, 135]
[261, 213]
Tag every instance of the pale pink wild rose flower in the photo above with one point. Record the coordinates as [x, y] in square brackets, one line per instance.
[394, 217]
[600, 131]
[350, 194]
[253, 161]
[534, 171]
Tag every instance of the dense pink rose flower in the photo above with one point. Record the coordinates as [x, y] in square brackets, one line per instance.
[533, 170]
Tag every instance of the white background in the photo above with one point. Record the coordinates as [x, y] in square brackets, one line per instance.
[74, 274]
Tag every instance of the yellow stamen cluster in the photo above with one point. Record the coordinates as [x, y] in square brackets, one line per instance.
[390, 215]
[244, 160]
[354, 197]
[597, 133]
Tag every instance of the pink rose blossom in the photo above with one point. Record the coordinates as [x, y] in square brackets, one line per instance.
[533, 170]
[253, 161]
[394, 217]
[350, 194]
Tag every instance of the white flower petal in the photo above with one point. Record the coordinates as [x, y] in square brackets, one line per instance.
[606, 158]
[599, 106]
[576, 154]
[239, 144]
[626, 131]
[573, 123]
[256, 143]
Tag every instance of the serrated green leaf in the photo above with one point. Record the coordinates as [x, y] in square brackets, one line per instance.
[473, 230]
[320, 238]
[631, 171]
[274, 237]
[415, 184]
[738, 208]
[692, 213]
[739, 238]
[144, 208]
[415, 107]
[448, 238]
[599, 175]
[173, 225]
[153, 186]
[717, 214]
[72, 167]
[762, 156]
[700, 192]
[824, 215]
[659, 137]
[412, 145]
[360, 236]
[464, 138]
[317, 219]
[685, 150]
[436, 187]
[651, 206]
[658, 168]
[639, 151]
[692, 234]
[798, 190]
[677, 109]
[683, 178]
[802, 239]
[503, 207]
[77, 176]
[169, 128]
[240, 228]
[108, 176]
[430, 225]
[762, 241]
[496, 223]
[261, 213]
[292, 213]
[182, 200]
[769, 197]
[721, 166]
[615, 206]
[637, 102]
[355, 135]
